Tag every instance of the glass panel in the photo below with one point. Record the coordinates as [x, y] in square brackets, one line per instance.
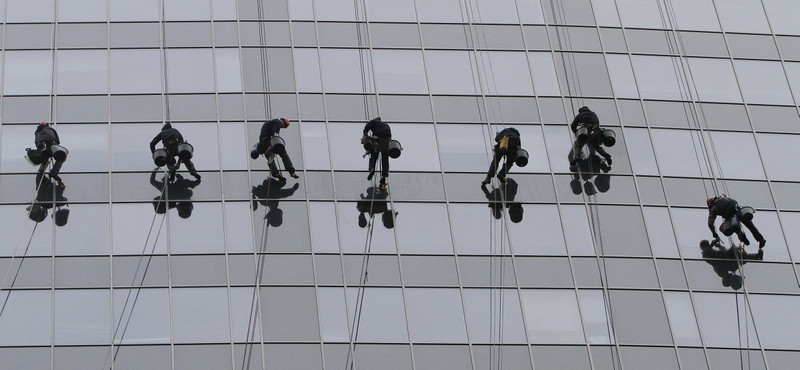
[595, 314]
[657, 77]
[579, 238]
[201, 315]
[770, 312]
[142, 10]
[689, 229]
[640, 317]
[223, 9]
[676, 152]
[337, 10]
[780, 16]
[289, 314]
[383, 317]
[605, 13]
[621, 73]
[773, 154]
[87, 232]
[743, 16]
[638, 141]
[483, 320]
[450, 72]
[27, 72]
[714, 80]
[306, 69]
[436, 316]
[391, 11]
[26, 319]
[187, 10]
[30, 11]
[82, 11]
[432, 226]
[682, 319]
[539, 233]
[342, 71]
[642, 14]
[763, 82]
[659, 231]
[135, 71]
[509, 73]
[552, 316]
[489, 11]
[695, 15]
[399, 71]
[724, 320]
[141, 316]
[738, 157]
[190, 70]
[82, 316]
[444, 11]
[229, 77]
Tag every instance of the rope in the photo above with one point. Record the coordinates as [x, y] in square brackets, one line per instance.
[264, 60]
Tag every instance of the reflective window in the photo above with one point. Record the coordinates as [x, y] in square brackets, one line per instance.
[464, 147]
[638, 141]
[738, 157]
[306, 69]
[596, 322]
[82, 316]
[383, 317]
[675, 151]
[27, 73]
[714, 80]
[332, 313]
[190, 70]
[143, 10]
[82, 72]
[289, 314]
[484, 320]
[82, 11]
[345, 71]
[621, 73]
[588, 75]
[579, 238]
[447, 11]
[539, 232]
[657, 77]
[725, 320]
[763, 82]
[223, 9]
[508, 73]
[30, 11]
[87, 231]
[781, 17]
[451, 72]
[552, 316]
[228, 75]
[135, 71]
[774, 331]
[640, 317]
[530, 12]
[695, 15]
[503, 11]
[682, 319]
[337, 10]
[773, 154]
[391, 11]
[201, 315]
[642, 14]
[690, 229]
[445, 324]
[199, 234]
[605, 13]
[544, 74]
[743, 16]
[27, 318]
[145, 321]
[433, 226]
[324, 237]
[353, 231]
[399, 71]
[187, 10]
[659, 231]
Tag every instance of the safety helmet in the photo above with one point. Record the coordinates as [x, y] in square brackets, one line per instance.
[285, 122]
[584, 109]
[708, 201]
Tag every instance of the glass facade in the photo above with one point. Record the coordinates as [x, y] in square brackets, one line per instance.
[582, 269]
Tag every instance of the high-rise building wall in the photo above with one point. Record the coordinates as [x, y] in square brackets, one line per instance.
[578, 267]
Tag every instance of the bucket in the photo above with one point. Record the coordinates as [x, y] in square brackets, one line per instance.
[254, 152]
[368, 144]
[37, 213]
[277, 145]
[185, 151]
[59, 152]
[521, 158]
[394, 148]
[582, 135]
[62, 216]
[609, 138]
[160, 157]
[33, 157]
[746, 213]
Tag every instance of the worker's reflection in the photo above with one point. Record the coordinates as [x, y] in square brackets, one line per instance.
[724, 261]
[504, 195]
[375, 202]
[268, 194]
[594, 173]
[49, 196]
[177, 194]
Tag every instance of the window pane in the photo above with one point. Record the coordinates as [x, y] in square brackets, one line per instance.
[141, 10]
[391, 11]
[436, 316]
[451, 72]
[682, 319]
[399, 71]
[229, 78]
[621, 73]
[148, 322]
[552, 316]
[724, 320]
[544, 74]
[495, 11]
[675, 151]
[200, 315]
[715, 80]
[27, 72]
[187, 10]
[190, 70]
[643, 14]
[595, 314]
[695, 15]
[781, 16]
[336, 10]
[30, 11]
[763, 82]
[482, 318]
[26, 319]
[82, 11]
[449, 11]
[135, 71]
[773, 153]
[743, 16]
[738, 157]
[306, 69]
[342, 72]
[659, 231]
[657, 77]
[82, 316]
[383, 317]
[82, 72]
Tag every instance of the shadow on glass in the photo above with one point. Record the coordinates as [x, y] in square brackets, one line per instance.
[725, 261]
[268, 195]
[503, 197]
[176, 194]
[590, 175]
[372, 203]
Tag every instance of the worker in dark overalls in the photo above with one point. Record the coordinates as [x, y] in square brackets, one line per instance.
[378, 144]
[588, 120]
[508, 142]
[48, 146]
[269, 149]
[171, 139]
[731, 212]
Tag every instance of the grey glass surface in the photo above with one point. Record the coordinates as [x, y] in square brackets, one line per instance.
[80, 35]
[200, 322]
[23, 320]
[596, 317]
[190, 70]
[640, 317]
[773, 118]
[92, 272]
[671, 274]
[289, 314]
[27, 72]
[539, 233]
[147, 10]
[543, 272]
[715, 80]
[443, 325]
[383, 315]
[429, 270]
[137, 357]
[451, 357]
[621, 74]
[656, 77]
[752, 46]
[394, 35]
[695, 15]
[134, 34]
[703, 44]
[28, 272]
[26, 358]
[552, 316]
[738, 158]
[146, 321]
[715, 315]
[630, 273]
[589, 71]
[648, 357]
[788, 47]
[198, 270]
[204, 357]
[633, 13]
[763, 82]
[451, 72]
[677, 152]
[649, 41]
[81, 316]
[550, 357]
[743, 16]
[399, 71]
[773, 156]
[483, 326]
[682, 319]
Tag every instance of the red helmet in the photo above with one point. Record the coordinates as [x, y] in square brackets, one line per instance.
[708, 201]
[285, 122]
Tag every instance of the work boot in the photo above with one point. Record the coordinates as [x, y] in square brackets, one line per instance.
[761, 244]
[744, 240]
[371, 174]
[280, 179]
[608, 160]
[61, 184]
[760, 254]
[294, 175]
[486, 180]
[383, 186]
